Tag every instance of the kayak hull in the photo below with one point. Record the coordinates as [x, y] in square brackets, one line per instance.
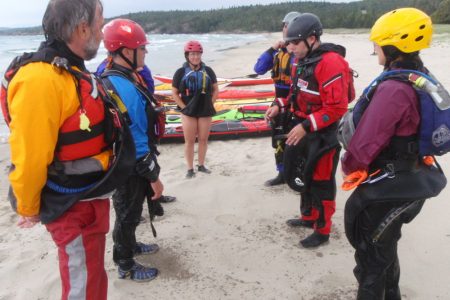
[244, 121]
[231, 81]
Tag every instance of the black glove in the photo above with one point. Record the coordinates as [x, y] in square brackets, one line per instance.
[148, 167]
[154, 208]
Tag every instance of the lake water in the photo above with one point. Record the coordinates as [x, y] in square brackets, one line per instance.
[165, 52]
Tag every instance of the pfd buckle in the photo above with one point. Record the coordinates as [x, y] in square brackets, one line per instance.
[60, 62]
[390, 170]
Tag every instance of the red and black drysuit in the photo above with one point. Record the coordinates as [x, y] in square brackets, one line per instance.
[319, 98]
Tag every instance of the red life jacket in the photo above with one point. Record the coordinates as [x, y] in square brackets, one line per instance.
[156, 115]
[73, 142]
[78, 140]
[305, 85]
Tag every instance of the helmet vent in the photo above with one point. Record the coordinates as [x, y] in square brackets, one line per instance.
[404, 36]
[422, 26]
[419, 38]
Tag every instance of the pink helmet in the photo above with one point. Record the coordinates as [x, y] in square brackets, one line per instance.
[120, 33]
[193, 46]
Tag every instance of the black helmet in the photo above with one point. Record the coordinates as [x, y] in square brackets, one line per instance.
[303, 27]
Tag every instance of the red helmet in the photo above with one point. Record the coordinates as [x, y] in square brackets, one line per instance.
[120, 33]
[193, 46]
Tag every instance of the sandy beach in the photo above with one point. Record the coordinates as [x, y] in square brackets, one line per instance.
[226, 237]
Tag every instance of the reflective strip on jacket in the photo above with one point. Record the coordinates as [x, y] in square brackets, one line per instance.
[323, 93]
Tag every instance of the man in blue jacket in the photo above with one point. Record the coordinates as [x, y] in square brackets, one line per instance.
[279, 61]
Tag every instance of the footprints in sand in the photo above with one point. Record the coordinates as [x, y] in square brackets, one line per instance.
[171, 263]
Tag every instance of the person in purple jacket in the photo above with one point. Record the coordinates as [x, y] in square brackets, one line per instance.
[278, 60]
[385, 144]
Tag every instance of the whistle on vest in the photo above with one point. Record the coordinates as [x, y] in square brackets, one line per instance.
[84, 121]
[354, 179]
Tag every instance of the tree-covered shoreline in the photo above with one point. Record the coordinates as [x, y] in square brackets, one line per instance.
[267, 18]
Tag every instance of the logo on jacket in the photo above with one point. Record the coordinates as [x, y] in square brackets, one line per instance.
[441, 136]
[302, 84]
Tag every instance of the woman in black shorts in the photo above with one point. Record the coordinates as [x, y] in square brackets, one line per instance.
[194, 89]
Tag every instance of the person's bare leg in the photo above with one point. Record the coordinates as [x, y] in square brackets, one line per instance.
[190, 133]
[204, 126]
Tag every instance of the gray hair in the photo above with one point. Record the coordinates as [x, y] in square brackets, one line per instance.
[63, 16]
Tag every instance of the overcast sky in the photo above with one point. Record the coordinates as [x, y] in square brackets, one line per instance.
[24, 13]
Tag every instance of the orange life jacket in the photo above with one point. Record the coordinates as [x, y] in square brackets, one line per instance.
[75, 141]
[281, 71]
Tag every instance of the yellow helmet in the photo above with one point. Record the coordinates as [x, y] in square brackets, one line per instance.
[408, 29]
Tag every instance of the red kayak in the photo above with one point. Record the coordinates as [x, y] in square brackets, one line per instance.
[231, 81]
[247, 81]
[245, 94]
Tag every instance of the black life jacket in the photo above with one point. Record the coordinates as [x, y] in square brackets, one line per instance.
[155, 113]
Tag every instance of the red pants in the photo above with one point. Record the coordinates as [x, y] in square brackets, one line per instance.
[80, 235]
[317, 204]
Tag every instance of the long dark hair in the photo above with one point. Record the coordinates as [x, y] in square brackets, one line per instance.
[398, 59]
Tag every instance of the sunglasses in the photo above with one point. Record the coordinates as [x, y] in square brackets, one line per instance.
[294, 42]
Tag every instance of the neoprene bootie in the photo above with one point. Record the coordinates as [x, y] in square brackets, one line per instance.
[275, 181]
[314, 240]
[300, 223]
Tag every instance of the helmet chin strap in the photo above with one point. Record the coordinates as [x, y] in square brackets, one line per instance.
[310, 47]
[133, 64]
[195, 66]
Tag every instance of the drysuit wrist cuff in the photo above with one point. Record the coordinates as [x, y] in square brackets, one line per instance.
[278, 102]
[306, 124]
[271, 51]
[148, 167]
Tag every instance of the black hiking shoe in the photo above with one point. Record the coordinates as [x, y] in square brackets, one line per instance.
[300, 223]
[314, 240]
[190, 173]
[275, 181]
[203, 169]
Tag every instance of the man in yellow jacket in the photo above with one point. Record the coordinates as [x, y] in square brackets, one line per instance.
[60, 149]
